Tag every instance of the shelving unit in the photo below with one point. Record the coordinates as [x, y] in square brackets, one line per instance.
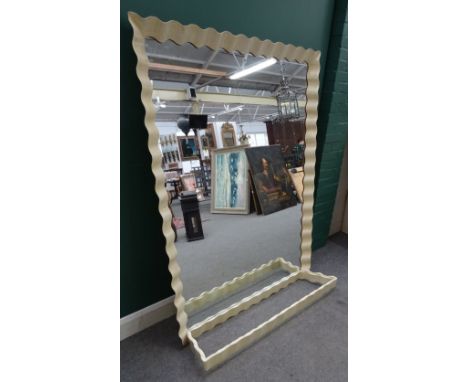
[203, 176]
[206, 167]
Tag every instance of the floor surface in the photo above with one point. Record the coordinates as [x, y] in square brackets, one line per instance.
[235, 244]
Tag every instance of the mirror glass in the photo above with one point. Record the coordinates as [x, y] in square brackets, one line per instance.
[232, 146]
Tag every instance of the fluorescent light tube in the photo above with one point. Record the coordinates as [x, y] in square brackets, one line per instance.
[252, 69]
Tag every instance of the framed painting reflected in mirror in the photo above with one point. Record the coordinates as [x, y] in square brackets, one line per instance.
[188, 147]
[188, 182]
[229, 135]
[230, 186]
[271, 179]
[210, 137]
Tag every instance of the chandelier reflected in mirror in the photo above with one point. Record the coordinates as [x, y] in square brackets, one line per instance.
[288, 107]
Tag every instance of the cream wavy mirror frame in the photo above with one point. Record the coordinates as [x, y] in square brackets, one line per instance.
[152, 27]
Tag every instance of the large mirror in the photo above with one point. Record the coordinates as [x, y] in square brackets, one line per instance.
[229, 135]
[230, 156]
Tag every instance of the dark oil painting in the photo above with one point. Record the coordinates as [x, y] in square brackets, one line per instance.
[271, 179]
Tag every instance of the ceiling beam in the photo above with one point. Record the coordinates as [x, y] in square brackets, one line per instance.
[178, 95]
[205, 66]
[246, 79]
[237, 61]
[297, 71]
[185, 69]
[256, 111]
[225, 66]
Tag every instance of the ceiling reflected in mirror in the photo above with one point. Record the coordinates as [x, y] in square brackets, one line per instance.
[175, 70]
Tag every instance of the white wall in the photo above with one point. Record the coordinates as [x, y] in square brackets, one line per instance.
[254, 127]
[166, 128]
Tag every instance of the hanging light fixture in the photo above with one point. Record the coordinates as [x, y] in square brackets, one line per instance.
[288, 106]
[252, 69]
[183, 124]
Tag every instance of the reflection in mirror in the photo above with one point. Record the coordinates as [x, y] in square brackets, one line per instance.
[232, 132]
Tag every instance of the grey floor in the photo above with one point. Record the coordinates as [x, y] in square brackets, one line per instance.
[312, 346]
[235, 244]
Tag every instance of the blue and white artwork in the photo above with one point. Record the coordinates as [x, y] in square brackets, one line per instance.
[231, 188]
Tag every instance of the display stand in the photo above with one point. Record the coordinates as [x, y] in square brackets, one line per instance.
[327, 284]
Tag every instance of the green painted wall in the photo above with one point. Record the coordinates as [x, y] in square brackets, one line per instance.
[143, 262]
[332, 124]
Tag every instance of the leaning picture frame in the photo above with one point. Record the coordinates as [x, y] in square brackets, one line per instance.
[211, 136]
[189, 148]
[228, 134]
[230, 181]
[297, 178]
[271, 180]
[188, 182]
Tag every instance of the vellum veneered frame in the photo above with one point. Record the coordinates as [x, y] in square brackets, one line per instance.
[153, 27]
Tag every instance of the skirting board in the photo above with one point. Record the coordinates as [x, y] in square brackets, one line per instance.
[146, 317]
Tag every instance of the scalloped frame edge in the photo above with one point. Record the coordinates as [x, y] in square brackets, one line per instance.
[172, 30]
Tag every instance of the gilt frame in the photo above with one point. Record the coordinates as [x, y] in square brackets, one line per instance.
[227, 128]
[180, 34]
